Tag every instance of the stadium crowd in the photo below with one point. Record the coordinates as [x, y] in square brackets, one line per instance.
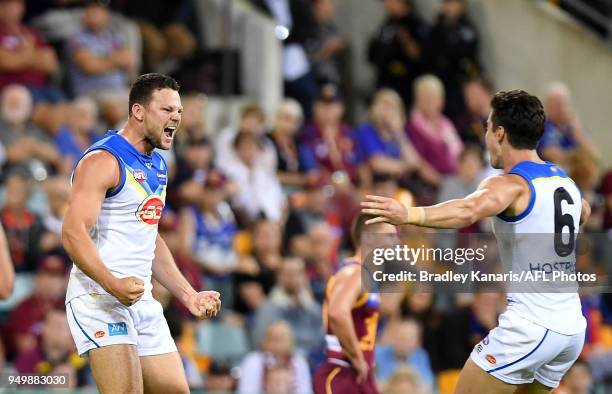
[262, 212]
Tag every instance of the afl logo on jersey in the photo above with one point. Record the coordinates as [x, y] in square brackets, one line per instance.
[150, 210]
[140, 176]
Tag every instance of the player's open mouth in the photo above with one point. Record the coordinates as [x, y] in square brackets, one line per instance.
[169, 131]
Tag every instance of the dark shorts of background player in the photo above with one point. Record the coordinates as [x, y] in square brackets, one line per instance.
[335, 379]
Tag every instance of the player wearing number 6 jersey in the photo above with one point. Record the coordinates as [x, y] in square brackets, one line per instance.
[350, 316]
[540, 335]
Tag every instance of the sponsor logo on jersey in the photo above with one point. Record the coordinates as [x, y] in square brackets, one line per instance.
[491, 359]
[99, 334]
[161, 177]
[117, 329]
[140, 176]
[479, 348]
[150, 210]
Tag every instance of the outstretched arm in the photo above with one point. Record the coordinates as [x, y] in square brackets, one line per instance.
[165, 271]
[7, 272]
[493, 196]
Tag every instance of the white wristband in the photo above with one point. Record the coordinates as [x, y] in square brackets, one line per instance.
[421, 216]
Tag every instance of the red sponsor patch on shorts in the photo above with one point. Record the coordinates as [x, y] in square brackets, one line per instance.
[99, 334]
[491, 359]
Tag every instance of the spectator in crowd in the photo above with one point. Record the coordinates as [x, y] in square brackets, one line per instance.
[278, 357]
[24, 323]
[328, 50]
[165, 28]
[464, 328]
[256, 273]
[577, 380]
[193, 121]
[384, 143]
[23, 228]
[220, 378]
[404, 380]
[208, 230]
[452, 51]
[25, 144]
[328, 144]
[101, 63]
[396, 50]
[55, 353]
[606, 192]
[289, 165]
[297, 27]
[305, 212]
[418, 305]
[26, 58]
[57, 190]
[291, 300]
[322, 256]
[79, 134]
[252, 121]
[469, 175]
[477, 94]
[432, 133]
[259, 191]
[405, 348]
[583, 168]
[563, 130]
[7, 276]
[193, 167]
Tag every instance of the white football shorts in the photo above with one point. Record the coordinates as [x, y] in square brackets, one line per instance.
[519, 351]
[98, 320]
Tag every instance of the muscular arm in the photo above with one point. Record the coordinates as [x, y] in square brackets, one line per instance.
[96, 173]
[7, 273]
[345, 293]
[167, 273]
[494, 195]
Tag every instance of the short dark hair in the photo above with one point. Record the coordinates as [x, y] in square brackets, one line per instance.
[143, 87]
[521, 115]
[357, 228]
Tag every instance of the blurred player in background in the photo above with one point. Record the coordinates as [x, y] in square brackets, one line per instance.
[350, 317]
[541, 334]
[110, 231]
[7, 272]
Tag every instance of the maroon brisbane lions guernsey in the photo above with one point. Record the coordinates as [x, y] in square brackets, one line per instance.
[365, 319]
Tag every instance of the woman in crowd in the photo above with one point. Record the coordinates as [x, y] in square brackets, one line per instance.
[277, 353]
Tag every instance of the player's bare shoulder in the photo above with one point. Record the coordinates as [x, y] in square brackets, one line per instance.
[509, 183]
[97, 167]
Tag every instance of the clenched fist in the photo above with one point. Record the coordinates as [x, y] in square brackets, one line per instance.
[128, 290]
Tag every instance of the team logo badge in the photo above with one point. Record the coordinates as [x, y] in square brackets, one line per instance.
[99, 334]
[491, 359]
[140, 176]
[150, 210]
